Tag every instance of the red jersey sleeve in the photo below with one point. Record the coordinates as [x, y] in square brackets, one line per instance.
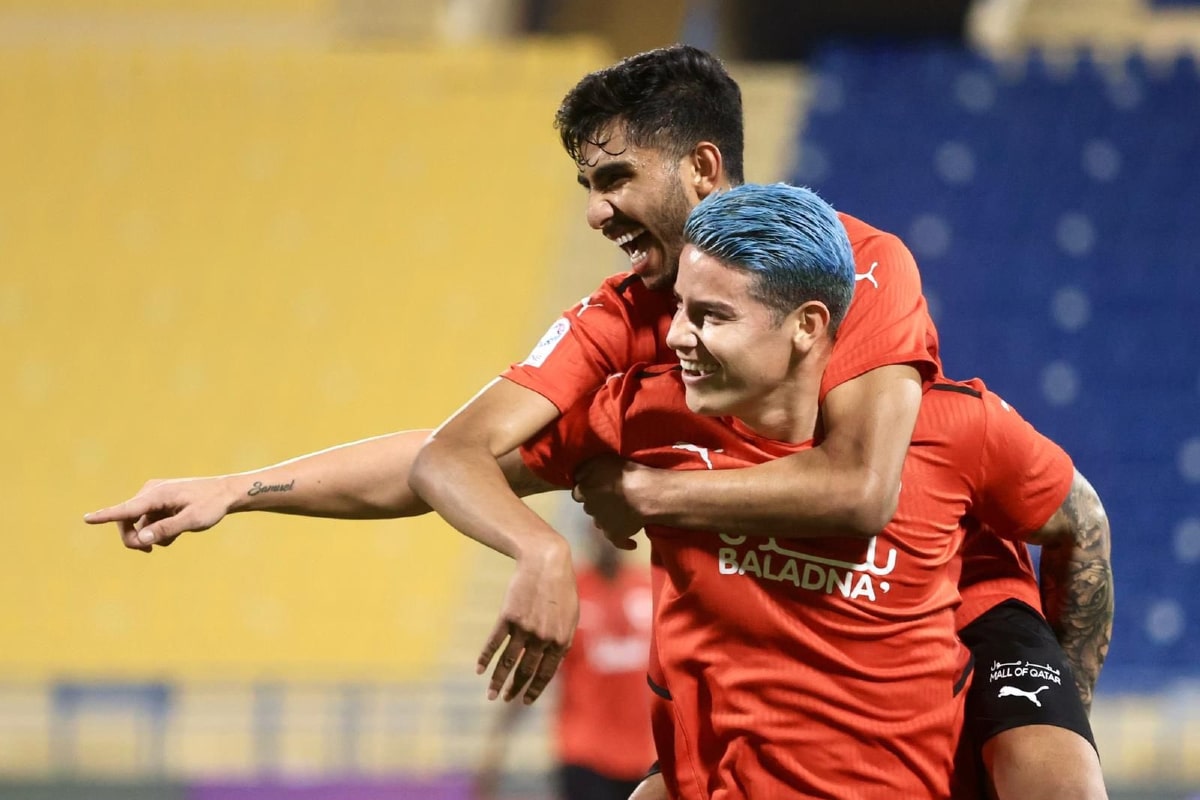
[888, 320]
[1024, 476]
[620, 324]
[589, 428]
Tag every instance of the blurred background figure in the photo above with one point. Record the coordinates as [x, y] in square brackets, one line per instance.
[602, 740]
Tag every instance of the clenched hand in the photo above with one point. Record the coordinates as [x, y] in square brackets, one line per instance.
[602, 487]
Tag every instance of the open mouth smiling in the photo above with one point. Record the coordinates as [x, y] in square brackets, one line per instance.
[637, 255]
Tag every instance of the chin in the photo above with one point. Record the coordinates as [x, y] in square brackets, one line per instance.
[705, 407]
[658, 283]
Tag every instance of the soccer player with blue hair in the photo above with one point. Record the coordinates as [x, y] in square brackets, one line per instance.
[792, 665]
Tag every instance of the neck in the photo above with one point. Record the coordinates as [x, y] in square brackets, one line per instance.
[789, 412]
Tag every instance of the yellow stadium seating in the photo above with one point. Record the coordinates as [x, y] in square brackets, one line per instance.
[216, 259]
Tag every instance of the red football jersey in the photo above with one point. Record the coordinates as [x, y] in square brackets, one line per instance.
[823, 667]
[624, 323]
[998, 569]
[603, 718]
[995, 570]
[888, 322]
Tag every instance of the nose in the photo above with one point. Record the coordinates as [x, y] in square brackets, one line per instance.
[599, 210]
[680, 336]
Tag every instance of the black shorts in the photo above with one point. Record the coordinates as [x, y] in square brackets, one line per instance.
[1021, 676]
[580, 783]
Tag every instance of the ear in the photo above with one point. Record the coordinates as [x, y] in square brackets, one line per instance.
[811, 322]
[707, 169]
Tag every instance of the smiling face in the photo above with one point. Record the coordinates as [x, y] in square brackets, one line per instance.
[739, 357]
[639, 198]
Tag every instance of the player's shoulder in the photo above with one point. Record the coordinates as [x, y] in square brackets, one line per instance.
[948, 390]
[653, 380]
[952, 404]
[621, 284]
[628, 287]
[645, 389]
[864, 236]
[949, 408]
[637, 402]
[626, 295]
[614, 292]
[860, 232]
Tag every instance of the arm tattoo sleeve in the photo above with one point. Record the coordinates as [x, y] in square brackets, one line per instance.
[1077, 583]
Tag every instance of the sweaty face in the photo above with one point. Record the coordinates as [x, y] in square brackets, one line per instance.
[736, 356]
[637, 199]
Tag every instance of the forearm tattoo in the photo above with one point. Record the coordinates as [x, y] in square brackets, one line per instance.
[265, 488]
[1077, 585]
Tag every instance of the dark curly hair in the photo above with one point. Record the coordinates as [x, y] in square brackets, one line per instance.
[670, 99]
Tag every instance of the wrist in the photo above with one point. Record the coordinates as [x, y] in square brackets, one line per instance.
[250, 491]
[233, 491]
[542, 551]
[648, 492]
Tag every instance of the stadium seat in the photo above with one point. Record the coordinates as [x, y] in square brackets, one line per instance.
[1052, 207]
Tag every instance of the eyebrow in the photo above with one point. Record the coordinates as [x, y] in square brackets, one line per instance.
[605, 172]
[717, 306]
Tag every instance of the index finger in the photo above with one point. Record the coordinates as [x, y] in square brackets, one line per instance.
[130, 510]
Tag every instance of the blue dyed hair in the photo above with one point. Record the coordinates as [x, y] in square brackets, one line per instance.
[787, 237]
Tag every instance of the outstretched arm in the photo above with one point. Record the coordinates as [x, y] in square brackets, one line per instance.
[849, 484]
[367, 479]
[1077, 582]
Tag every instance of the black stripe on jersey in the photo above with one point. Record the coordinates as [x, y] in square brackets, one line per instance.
[968, 668]
[661, 691]
[624, 285]
[659, 369]
[953, 387]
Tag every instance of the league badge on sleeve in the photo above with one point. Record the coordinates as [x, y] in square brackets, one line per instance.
[546, 346]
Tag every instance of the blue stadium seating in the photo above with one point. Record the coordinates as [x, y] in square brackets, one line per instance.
[1054, 209]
